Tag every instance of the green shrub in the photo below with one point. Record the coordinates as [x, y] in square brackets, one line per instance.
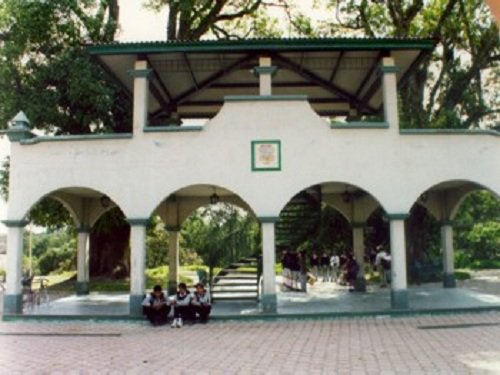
[2, 273]
[479, 264]
[462, 259]
[462, 275]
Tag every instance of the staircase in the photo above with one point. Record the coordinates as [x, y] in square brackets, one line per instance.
[237, 282]
[300, 218]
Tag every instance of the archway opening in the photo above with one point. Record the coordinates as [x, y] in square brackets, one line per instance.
[64, 236]
[325, 236]
[210, 235]
[453, 241]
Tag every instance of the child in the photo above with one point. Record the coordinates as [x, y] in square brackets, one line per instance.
[155, 307]
[201, 302]
[182, 305]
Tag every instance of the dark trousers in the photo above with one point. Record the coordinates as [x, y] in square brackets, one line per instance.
[203, 312]
[184, 312]
[157, 317]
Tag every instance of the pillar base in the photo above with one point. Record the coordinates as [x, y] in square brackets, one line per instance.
[449, 280]
[82, 288]
[399, 299]
[360, 284]
[12, 304]
[135, 305]
[172, 287]
[269, 303]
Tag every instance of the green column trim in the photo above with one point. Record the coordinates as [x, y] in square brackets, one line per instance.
[269, 303]
[360, 284]
[15, 223]
[358, 224]
[449, 280]
[449, 223]
[82, 288]
[389, 69]
[399, 299]
[12, 304]
[138, 221]
[135, 304]
[268, 219]
[83, 229]
[398, 216]
[140, 73]
[265, 70]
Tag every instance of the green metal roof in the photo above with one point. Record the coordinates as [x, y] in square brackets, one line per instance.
[192, 78]
[273, 44]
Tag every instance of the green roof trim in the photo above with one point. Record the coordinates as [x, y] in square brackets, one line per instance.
[360, 125]
[264, 98]
[449, 132]
[78, 137]
[172, 129]
[263, 45]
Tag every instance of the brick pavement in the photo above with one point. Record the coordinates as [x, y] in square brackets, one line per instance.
[448, 344]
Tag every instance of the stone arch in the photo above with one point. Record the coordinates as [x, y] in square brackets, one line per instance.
[353, 202]
[84, 204]
[443, 199]
[181, 203]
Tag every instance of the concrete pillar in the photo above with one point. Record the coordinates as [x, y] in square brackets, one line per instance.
[448, 256]
[390, 93]
[13, 302]
[358, 244]
[265, 71]
[141, 91]
[82, 264]
[399, 292]
[137, 264]
[173, 260]
[268, 299]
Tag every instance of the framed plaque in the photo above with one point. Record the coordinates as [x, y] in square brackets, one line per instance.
[266, 155]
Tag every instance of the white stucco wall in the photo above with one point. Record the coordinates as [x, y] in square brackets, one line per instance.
[139, 173]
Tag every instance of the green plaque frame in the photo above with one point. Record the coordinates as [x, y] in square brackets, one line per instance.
[266, 155]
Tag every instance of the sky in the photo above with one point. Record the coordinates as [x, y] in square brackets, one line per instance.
[136, 24]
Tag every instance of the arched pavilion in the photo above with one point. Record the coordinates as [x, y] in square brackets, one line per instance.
[268, 136]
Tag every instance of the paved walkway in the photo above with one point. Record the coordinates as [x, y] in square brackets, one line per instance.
[448, 344]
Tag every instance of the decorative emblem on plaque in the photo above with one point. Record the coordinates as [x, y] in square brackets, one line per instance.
[266, 155]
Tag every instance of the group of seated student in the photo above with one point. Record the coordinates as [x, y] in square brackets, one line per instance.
[186, 305]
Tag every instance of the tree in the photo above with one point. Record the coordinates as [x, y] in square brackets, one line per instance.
[457, 86]
[220, 235]
[192, 19]
[46, 72]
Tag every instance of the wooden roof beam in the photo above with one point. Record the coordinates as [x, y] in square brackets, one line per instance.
[307, 74]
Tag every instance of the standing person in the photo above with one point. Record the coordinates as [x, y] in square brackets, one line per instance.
[182, 305]
[285, 273]
[155, 307]
[201, 302]
[294, 270]
[352, 269]
[324, 262]
[303, 271]
[314, 262]
[334, 264]
[383, 265]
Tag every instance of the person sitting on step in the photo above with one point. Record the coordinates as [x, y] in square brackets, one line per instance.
[155, 307]
[182, 305]
[201, 302]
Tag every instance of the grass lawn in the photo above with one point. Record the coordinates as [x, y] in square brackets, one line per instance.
[66, 282]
